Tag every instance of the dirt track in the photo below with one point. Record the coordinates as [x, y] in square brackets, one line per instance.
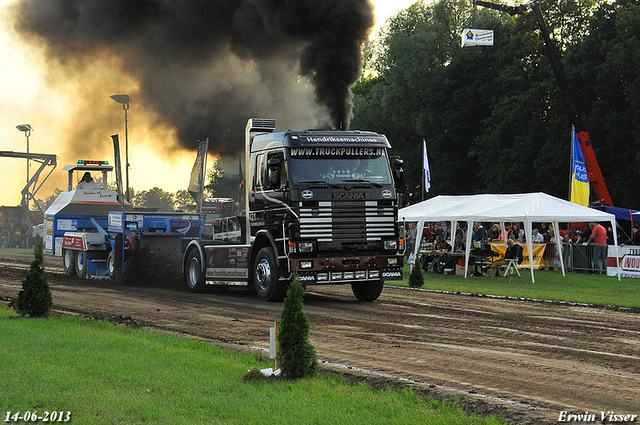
[525, 360]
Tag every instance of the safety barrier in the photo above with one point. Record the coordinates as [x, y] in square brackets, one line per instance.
[591, 258]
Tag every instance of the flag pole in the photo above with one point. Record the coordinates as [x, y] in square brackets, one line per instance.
[573, 129]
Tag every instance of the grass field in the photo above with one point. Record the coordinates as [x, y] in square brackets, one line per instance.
[107, 374]
[549, 285]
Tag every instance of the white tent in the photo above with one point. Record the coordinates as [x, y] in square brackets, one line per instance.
[526, 208]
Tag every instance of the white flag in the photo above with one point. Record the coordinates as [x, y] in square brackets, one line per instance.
[427, 173]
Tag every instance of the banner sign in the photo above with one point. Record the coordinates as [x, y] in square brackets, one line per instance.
[471, 37]
[538, 253]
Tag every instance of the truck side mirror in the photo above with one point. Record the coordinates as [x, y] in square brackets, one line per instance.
[398, 171]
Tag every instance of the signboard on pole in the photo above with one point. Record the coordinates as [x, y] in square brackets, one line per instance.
[472, 37]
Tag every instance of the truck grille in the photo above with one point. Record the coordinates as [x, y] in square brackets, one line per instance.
[347, 221]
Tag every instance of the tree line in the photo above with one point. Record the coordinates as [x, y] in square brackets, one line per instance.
[492, 116]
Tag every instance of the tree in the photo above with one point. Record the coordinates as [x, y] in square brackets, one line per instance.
[46, 203]
[492, 117]
[34, 299]
[183, 201]
[221, 185]
[297, 355]
[416, 278]
[154, 198]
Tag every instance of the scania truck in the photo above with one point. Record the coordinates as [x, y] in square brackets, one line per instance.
[321, 204]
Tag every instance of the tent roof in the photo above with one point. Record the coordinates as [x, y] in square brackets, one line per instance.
[532, 207]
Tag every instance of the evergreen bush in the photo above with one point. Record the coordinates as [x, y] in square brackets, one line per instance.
[416, 279]
[35, 297]
[297, 356]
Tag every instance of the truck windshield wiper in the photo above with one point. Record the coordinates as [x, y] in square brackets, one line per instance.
[318, 183]
[366, 183]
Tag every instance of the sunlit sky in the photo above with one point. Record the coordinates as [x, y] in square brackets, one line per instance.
[28, 98]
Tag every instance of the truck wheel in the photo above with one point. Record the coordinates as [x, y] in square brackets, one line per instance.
[193, 272]
[111, 265]
[81, 264]
[367, 291]
[268, 285]
[69, 262]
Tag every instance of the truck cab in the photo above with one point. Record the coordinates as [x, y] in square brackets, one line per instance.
[320, 204]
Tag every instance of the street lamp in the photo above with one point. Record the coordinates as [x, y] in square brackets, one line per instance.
[125, 100]
[26, 129]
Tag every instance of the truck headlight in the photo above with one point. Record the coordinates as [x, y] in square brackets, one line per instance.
[305, 246]
[392, 261]
[306, 264]
[390, 245]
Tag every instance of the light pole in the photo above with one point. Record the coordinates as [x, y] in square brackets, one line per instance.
[125, 100]
[26, 129]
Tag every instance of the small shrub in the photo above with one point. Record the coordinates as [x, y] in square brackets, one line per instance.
[254, 375]
[297, 356]
[416, 279]
[35, 297]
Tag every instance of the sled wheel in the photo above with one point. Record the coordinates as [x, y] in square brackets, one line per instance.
[69, 262]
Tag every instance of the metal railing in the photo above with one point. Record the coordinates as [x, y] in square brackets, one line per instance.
[590, 258]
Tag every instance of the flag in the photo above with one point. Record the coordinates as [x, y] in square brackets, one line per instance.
[427, 173]
[579, 178]
[196, 182]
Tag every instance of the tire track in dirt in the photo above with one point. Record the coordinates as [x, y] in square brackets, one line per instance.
[525, 360]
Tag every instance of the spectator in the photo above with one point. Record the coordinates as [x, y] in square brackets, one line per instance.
[442, 244]
[25, 235]
[478, 232]
[458, 246]
[536, 236]
[494, 234]
[513, 252]
[635, 236]
[411, 239]
[516, 234]
[446, 234]
[544, 231]
[599, 239]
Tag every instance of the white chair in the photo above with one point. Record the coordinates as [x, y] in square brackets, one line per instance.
[511, 266]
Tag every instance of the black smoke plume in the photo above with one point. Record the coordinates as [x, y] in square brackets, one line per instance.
[205, 66]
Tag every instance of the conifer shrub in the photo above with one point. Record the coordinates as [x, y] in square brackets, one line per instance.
[34, 299]
[296, 354]
[416, 279]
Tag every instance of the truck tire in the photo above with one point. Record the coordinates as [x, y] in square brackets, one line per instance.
[81, 264]
[367, 291]
[111, 265]
[69, 262]
[266, 275]
[193, 275]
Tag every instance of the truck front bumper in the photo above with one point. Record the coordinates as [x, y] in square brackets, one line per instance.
[340, 270]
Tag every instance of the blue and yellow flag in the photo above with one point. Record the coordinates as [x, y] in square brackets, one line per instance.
[579, 178]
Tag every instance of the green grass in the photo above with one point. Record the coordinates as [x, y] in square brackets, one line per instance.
[107, 374]
[550, 285]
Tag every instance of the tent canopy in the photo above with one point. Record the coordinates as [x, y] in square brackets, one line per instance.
[533, 207]
[526, 207]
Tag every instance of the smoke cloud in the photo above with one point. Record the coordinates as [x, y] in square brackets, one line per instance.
[203, 67]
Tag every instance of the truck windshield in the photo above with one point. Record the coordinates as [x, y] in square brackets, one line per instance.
[335, 170]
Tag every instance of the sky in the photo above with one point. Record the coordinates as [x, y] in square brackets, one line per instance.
[54, 105]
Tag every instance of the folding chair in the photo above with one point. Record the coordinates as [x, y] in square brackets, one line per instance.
[512, 266]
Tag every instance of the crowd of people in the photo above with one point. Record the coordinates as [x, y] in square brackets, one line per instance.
[541, 233]
[17, 236]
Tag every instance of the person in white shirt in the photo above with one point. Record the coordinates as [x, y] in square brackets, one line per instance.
[87, 182]
[536, 237]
